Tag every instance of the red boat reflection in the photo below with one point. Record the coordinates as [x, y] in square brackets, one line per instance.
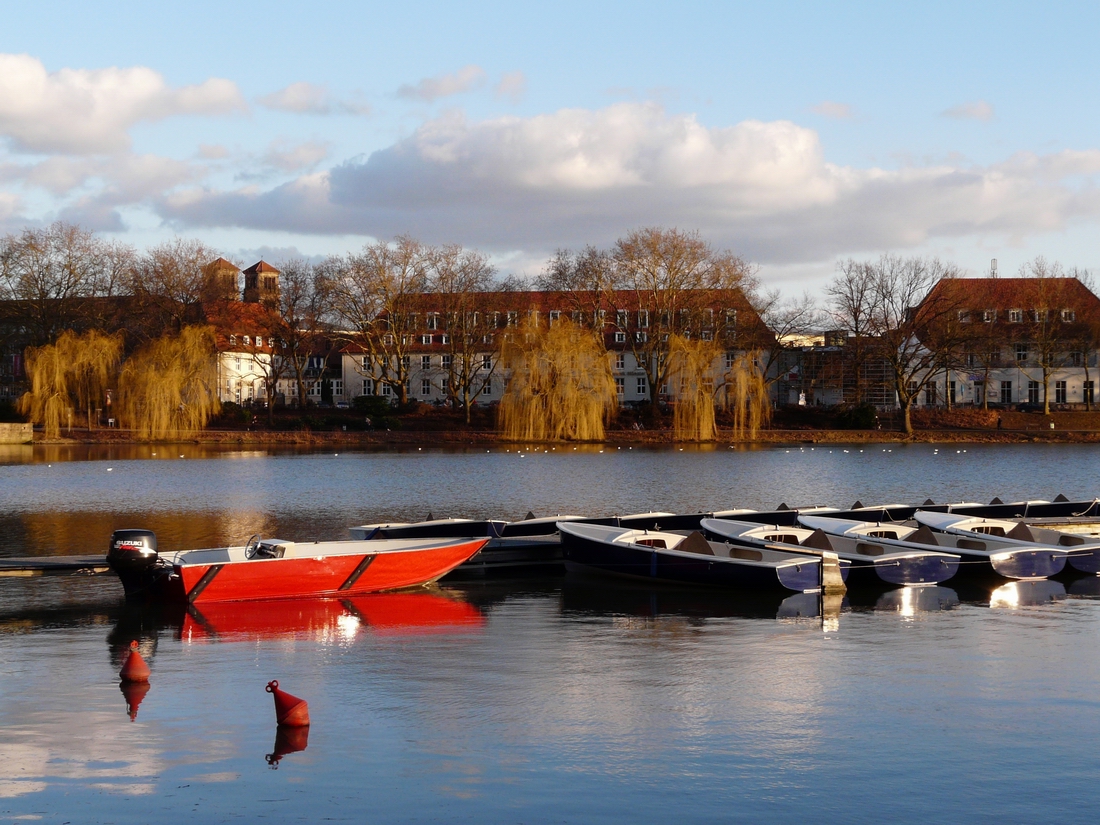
[385, 614]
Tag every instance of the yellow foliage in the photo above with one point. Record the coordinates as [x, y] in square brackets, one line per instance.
[746, 392]
[168, 388]
[561, 387]
[72, 373]
[691, 368]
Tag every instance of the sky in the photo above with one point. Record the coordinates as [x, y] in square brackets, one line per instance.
[794, 134]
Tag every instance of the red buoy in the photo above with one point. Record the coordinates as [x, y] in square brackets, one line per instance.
[135, 669]
[289, 710]
[134, 693]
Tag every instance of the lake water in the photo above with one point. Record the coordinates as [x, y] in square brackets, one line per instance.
[550, 700]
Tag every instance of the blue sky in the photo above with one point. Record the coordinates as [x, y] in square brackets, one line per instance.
[792, 133]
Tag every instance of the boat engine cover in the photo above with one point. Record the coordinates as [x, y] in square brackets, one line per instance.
[132, 551]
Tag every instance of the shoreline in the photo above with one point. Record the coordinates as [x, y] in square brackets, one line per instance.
[459, 438]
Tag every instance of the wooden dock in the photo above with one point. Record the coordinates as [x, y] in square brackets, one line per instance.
[54, 566]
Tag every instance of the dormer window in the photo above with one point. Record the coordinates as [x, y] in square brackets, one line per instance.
[1069, 316]
[232, 340]
[1015, 316]
[989, 316]
[247, 341]
[964, 316]
[555, 314]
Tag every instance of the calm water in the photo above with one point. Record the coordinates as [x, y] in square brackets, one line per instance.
[539, 701]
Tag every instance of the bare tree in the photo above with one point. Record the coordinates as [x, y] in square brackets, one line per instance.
[378, 294]
[459, 281]
[52, 275]
[911, 326]
[171, 281]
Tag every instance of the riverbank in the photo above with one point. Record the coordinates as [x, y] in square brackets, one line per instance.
[405, 438]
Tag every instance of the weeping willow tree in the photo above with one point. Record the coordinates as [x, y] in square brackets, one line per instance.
[72, 374]
[561, 387]
[167, 389]
[692, 370]
[745, 393]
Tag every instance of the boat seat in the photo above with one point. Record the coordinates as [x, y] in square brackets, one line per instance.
[1070, 541]
[923, 535]
[695, 542]
[746, 553]
[819, 540]
[1021, 532]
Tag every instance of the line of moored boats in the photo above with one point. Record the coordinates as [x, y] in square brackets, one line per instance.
[787, 549]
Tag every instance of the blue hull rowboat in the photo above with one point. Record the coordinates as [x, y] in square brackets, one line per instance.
[691, 559]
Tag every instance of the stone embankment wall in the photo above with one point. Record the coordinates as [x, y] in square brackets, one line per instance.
[16, 433]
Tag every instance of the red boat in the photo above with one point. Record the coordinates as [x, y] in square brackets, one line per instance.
[278, 569]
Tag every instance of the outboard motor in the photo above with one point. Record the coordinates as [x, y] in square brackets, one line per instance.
[133, 556]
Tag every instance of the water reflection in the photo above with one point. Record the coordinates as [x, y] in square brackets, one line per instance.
[1027, 593]
[287, 740]
[908, 601]
[133, 692]
[1085, 587]
[606, 597]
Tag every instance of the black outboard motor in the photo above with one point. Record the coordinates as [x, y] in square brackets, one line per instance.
[133, 556]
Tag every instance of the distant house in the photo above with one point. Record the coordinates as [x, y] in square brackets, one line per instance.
[1017, 341]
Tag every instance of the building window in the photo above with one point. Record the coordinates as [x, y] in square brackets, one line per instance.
[315, 389]
[979, 392]
[513, 318]
[447, 360]
[1040, 316]
[951, 392]
[1033, 392]
[232, 340]
[643, 317]
[970, 359]
[238, 362]
[640, 336]
[444, 385]
[425, 386]
[444, 338]
[338, 387]
[555, 314]
[433, 320]
[246, 340]
[620, 386]
[368, 386]
[425, 339]
[731, 318]
[620, 337]
[1006, 392]
[1021, 353]
[486, 362]
[1069, 316]
[989, 315]
[620, 361]
[387, 390]
[1059, 392]
[642, 386]
[1015, 316]
[964, 316]
[1086, 391]
[622, 318]
[488, 388]
[387, 340]
[707, 335]
[930, 395]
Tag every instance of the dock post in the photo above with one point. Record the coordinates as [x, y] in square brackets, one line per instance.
[832, 591]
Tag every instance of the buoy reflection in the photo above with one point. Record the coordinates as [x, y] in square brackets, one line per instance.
[287, 740]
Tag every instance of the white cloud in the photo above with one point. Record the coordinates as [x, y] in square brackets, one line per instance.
[444, 85]
[311, 99]
[976, 110]
[78, 111]
[295, 158]
[587, 176]
[833, 110]
[512, 86]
